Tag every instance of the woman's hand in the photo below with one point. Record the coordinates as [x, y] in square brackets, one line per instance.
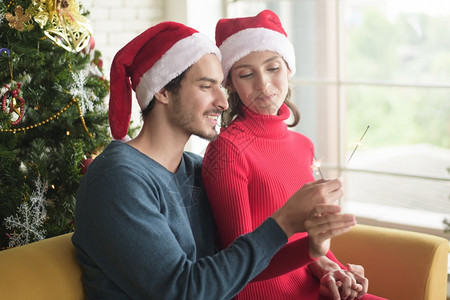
[358, 273]
[337, 283]
[326, 222]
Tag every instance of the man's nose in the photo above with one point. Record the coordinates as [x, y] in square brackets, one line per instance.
[221, 100]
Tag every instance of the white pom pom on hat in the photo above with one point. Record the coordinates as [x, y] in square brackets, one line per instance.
[151, 61]
[237, 37]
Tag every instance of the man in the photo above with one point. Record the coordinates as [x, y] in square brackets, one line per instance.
[143, 226]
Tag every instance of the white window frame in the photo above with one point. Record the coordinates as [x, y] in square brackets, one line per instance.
[368, 214]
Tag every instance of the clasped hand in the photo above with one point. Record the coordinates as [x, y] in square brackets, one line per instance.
[337, 283]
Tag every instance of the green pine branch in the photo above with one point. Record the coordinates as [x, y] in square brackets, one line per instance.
[56, 141]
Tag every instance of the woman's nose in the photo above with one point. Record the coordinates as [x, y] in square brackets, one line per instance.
[261, 82]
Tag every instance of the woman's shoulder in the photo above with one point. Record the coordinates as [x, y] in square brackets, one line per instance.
[299, 136]
[229, 146]
[235, 135]
[230, 142]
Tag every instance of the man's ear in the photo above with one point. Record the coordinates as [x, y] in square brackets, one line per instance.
[162, 96]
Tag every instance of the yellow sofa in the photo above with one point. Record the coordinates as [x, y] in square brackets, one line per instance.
[399, 265]
[47, 269]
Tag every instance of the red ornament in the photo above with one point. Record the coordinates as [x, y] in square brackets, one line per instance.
[100, 63]
[91, 43]
[14, 103]
[84, 164]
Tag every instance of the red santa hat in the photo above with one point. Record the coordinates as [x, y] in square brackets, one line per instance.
[151, 61]
[238, 37]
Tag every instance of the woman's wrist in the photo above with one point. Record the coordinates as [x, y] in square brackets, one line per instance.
[322, 266]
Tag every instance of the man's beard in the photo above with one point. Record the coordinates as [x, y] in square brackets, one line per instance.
[186, 120]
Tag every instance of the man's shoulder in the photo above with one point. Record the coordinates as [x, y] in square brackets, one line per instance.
[192, 157]
[118, 159]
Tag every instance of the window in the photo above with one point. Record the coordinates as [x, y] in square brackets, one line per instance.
[383, 64]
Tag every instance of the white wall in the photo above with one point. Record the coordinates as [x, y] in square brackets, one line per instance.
[116, 22]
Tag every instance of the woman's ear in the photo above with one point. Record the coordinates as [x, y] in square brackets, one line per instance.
[229, 86]
[162, 96]
[289, 73]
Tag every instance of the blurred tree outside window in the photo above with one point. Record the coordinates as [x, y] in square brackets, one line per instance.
[383, 64]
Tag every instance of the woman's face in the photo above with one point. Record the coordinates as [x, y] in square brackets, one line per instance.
[261, 81]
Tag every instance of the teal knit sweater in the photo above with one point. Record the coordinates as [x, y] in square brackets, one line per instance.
[142, 232]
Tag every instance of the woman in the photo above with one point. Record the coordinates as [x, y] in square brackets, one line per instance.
[256, 157]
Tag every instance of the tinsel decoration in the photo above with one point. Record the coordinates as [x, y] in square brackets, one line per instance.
[86, 97]
[46, 121]
[62, 22]
[26, 225]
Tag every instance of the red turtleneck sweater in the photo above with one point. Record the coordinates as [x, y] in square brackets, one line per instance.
[250, 171]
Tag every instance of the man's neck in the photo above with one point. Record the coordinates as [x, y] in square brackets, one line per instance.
[162, 144]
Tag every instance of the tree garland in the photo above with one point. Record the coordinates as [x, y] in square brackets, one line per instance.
[46, 121]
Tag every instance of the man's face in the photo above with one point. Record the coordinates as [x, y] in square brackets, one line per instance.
[200, 100]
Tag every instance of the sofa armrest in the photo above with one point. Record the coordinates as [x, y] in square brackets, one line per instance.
[399, 264]
[47, 269]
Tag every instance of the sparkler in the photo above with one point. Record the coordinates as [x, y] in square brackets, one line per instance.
[316, 166]
[357, 145]
[316, 163]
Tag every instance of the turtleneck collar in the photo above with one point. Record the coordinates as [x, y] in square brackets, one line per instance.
[265, 126]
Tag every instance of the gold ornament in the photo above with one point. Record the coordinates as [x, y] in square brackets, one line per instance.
[55, 116]
[62, 23]
[17, 21]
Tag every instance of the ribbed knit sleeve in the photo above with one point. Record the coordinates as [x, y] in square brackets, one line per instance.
[225, 177]
[253, 167]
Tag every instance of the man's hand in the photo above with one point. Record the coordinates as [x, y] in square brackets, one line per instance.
[292, 215]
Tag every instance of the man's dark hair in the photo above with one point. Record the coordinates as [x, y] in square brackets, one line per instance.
[173, 86]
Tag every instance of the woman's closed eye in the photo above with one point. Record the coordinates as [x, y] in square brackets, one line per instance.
[273, 69]
[245, 75]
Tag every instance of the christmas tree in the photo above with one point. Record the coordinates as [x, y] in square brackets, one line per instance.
[53, 119]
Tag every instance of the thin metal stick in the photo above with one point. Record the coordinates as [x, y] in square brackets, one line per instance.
[315, 163]
[357, 144]
[318, 167]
